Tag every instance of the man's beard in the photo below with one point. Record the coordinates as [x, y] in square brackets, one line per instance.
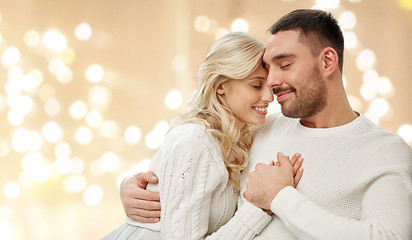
[309, 100]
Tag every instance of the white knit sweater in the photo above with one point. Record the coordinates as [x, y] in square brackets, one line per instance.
[356, 182]
[195, 194]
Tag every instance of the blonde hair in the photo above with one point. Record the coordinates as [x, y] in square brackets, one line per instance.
[234, 56]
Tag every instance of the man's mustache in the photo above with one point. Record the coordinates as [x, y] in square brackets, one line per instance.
[276, 90]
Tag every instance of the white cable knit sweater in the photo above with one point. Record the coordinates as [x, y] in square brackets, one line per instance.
[195, 194]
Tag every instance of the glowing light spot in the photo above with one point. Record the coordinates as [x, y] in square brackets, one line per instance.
[365, 60]
[15, 117]
[355, 103]
[2, 102]
[109, 161]
[179, 63]
[46, 91]
[94, 119]
[36, 166]
[4, 148]
[10, 57]
[142, 166]
[405, 131]
[56, 65]
[52, 132]
[220, 32]
[74, 184]
[94, 73]
[384, 86]
[5, 229]
[68, 56]
[202, 23]
[132, 135]
[63, 165]
[155, 138]
[13, 91]
[240, 25]
[77, 165]
[83, 135]
[109, 129]
[34, 140]
[347, 20]
[162, 127]
[99, 97]
[83, 31]
[62, 150]
[11, 190]
[52, 107]
[379, 107]
[26, 180]
[173, 99]
[19, 140]
[327, 4]
[64, 75]
[93, 195]
[54, 40]
[78, 109]
[406, 4]
[370, 76]
[23, 104]
[31, 38]
[15, 74]
[96, 168]
[351, 40]
[368, 91]
[37, 75]
[28, 83]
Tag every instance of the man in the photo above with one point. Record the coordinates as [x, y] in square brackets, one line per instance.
[357, 182]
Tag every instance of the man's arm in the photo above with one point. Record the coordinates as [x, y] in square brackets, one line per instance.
[386, 204]
[138, 203]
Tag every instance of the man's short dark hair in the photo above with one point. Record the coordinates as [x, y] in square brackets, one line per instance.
[318, 29]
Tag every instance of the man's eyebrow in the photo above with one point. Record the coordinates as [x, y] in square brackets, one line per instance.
[281, 56]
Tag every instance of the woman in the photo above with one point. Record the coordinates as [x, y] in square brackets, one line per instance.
[201, 160]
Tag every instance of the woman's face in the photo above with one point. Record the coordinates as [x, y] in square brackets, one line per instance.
[248, 98]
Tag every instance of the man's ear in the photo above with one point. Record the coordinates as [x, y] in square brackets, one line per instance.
[330, 61]
[221, 89]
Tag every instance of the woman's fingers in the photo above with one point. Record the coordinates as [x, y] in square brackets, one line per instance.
[297, 164]
[298, 176]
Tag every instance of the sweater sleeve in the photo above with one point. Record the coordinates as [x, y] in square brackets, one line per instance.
[186, 189]
[188, 178]
[247, 222]
[386, 205]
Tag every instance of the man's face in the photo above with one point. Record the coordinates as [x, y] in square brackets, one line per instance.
[294, 75]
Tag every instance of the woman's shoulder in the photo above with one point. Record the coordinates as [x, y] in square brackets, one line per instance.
[191, 134]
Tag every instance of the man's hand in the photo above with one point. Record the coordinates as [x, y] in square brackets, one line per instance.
[138, 203]
[267, 180]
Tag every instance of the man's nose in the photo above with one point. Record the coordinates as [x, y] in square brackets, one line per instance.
[274, 79]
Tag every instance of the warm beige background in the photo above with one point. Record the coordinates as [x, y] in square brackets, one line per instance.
[135, 42]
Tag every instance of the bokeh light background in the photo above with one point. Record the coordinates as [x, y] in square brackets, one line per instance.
[88, 88]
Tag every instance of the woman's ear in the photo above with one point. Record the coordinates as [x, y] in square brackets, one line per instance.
[221, 89]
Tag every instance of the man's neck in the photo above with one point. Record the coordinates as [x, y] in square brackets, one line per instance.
[330, 117]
